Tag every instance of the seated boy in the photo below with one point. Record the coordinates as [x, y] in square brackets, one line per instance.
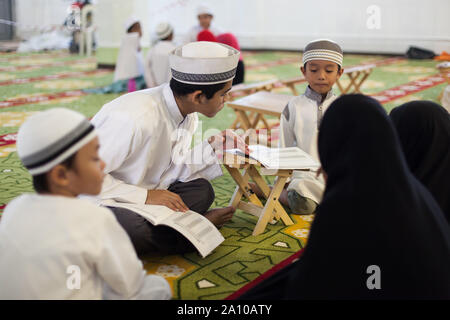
[300, 120]
[55, 246]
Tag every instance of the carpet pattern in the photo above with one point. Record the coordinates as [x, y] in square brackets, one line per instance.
[33, 82]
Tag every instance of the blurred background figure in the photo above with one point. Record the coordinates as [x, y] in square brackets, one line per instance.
[157, 70]
[206, 35]
[130, 62]
[205, 16]
[230, 40]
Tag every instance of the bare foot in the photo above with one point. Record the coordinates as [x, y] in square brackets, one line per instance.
[257, 190]
[219, 216]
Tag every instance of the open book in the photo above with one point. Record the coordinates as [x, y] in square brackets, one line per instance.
[195, 227]
[279, 158]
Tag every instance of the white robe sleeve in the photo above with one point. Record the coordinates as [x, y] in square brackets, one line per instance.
[287, 134]
[122, 271]
[117, 140]
[200, 162]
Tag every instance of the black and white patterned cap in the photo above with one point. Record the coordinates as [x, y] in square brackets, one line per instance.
[50, 137]
[323, 49]
[204, 63]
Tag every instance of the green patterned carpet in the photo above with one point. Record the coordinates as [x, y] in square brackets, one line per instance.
[242, 257]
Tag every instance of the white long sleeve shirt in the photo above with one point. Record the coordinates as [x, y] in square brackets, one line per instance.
[300, 121]
[55, 247]
[146, 144]
[157, 68]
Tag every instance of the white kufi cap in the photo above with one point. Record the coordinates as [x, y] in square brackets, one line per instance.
[130, 21]
[50, 137]
[204, 62]
[163, 30]
[204, 9]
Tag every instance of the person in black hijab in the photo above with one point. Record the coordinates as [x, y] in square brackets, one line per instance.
[424, 131]
[378, 233]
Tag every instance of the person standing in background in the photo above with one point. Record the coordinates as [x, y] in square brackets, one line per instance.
[130, 62]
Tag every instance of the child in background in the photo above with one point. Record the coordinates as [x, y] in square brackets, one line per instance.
[300, 120]
[157, 68]
[130, 62]
[55, 246]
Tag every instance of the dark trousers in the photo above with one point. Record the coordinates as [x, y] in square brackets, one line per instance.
[197, 194]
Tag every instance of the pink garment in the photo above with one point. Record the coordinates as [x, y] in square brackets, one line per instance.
[131, 85]
[230, 40]
[206, 35]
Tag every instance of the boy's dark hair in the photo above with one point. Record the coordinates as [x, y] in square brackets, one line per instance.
[40, 182]
[132, 26]
[339, 67]
[181, 89]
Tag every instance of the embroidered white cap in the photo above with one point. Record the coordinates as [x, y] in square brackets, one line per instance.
[204, 62]
[50, 137]
[323, 49]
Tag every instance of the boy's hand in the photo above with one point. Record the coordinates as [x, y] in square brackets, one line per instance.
[166, 198]
[227, 139]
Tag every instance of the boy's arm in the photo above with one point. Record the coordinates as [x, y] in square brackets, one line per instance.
[287, 135]
[122, 271]
[200, 162]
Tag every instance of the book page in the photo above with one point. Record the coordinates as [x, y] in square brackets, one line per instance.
[199, 230]
[280, 158]
[195, 227]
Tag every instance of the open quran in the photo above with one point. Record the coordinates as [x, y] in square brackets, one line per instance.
[279, 158]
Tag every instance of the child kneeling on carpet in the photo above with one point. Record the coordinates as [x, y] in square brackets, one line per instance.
[55, 246]
[300, 120]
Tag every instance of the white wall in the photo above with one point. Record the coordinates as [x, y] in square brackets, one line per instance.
[276, 24]
[33, 16]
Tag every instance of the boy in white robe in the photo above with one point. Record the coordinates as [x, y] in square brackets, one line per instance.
[205, 16]
[130, 61]
[300, 120]
[55, 246]
[157, 68]
[146, 142]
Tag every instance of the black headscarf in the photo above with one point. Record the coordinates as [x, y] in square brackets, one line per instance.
[374, 212]
[424, 131]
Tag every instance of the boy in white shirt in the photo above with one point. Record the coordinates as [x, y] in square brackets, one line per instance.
[300, 120]
[205, 16]
[157, 67]
[55, 246]
[130, 61]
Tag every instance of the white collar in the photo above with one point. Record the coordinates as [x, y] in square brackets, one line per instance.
[311, 94]
[172, 106]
